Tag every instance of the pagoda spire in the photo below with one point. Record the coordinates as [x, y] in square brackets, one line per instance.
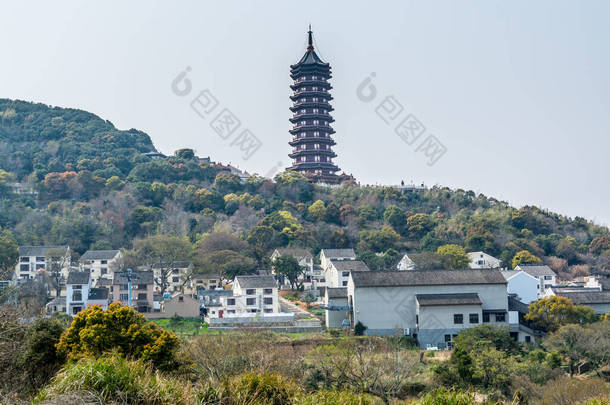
[310, 39]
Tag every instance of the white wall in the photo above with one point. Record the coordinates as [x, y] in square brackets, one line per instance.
[525, 286]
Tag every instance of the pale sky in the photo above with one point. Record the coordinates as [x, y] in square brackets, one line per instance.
[517, 91]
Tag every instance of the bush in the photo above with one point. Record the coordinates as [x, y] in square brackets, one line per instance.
[568, 391]
[337, 398]
[444, 396]
[359, 329]
[258, 389]
[115, 379]
[94, 332]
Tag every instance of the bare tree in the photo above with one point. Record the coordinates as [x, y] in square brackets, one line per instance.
[56, 262]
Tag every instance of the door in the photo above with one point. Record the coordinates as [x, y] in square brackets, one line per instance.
[220, 313]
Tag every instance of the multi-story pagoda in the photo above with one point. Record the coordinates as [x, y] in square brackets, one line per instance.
[312, 153]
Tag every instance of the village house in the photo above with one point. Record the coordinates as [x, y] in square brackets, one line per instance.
[337, 273]
[482, 260]
[202, 282]
[336, 306]
[142, 289]
[99, 297]
[101, 263]
[594, 298]
[543, 273]
[179, 274]
[312, 277]
[521, 284]
[326, 255]
[405, 263]
[35, 259]
[78, 284]
[433, 306]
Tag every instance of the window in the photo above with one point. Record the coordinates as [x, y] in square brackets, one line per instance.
[77, 296]
[124, 297]
[175, 271]
[231, 311]
[547, 286]
[447, 338]
[230, 301]
[104, 261]
[250, 291]
[345, 274]
[268, 310]
[24, 259]
[485, 317]
[77, 287]
[268, 291]
[250, 301]
[39, 259]
[268, 301]
[104, 270]
[124, 287]
[142, 297]
[548, 277]
[344, 283]
[458, 319]
[500, 318]
[473, 318]
[175, 279]
[141, 286]
[528, 339]
[24, 267]
[76, 310]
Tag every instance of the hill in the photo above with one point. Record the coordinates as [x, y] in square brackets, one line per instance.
[91, 186]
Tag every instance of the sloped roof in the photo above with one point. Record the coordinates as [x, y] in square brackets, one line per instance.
[586, 297]
[78, 277]
[38, 250]
[350, 265]
[340, 292]
[138, 277]
[429, 300]
[426, 277]
[256, 281]
[180, 264]
[509, 273]
[536, 270]
[295, 252]
[99, 254]
[98, 294]
[337, 253]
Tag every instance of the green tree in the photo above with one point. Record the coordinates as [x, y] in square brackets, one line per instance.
[380, 240]
[525, 257]
[418, 225]
[227, 183]
[163, 251]
[395, 217]
[289, 267]
[317, 210]
[226, 262]
[9, 253]
[550, 313]
[260, 238]
[453, 256]
[94, 332]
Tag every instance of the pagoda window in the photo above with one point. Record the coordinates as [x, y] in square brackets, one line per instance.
[316, 122]
[316, 146]
[315, 99]
[314, 88]
[316, 134]
[315, 111]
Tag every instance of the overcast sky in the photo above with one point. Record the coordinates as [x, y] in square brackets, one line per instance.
[518, 92]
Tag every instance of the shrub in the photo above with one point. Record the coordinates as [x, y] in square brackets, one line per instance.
[258, 389]
[568, 391]
[444, 396]
[115, 379]
[359, 329]
[337, 398]
[94, 332]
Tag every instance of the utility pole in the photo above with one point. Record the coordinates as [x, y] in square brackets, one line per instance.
[129, 271]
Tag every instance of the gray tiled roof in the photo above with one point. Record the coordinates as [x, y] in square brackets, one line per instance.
[584, 298]
[350, 265]
[336, 292]
[256, 281]
[536, 270]
[509, 273]
[428, 300]
[426, 277]
[98, 294]
[78, 277]
[38, 250]
[295, 252]
[335, 253]
[138, 277]
[99, 254]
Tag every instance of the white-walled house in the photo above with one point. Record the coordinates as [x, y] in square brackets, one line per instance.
[98, 296]
[251, 294]
[545, 276]
[430, 305]
[78, 285]
[180, 274]
[326, 255]
[337, 273]
[337, 309]
[312, 276]
[101, 263]
[33, 259]
[406, 263]
[524, 285]
[594, 298]
[482, 260]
